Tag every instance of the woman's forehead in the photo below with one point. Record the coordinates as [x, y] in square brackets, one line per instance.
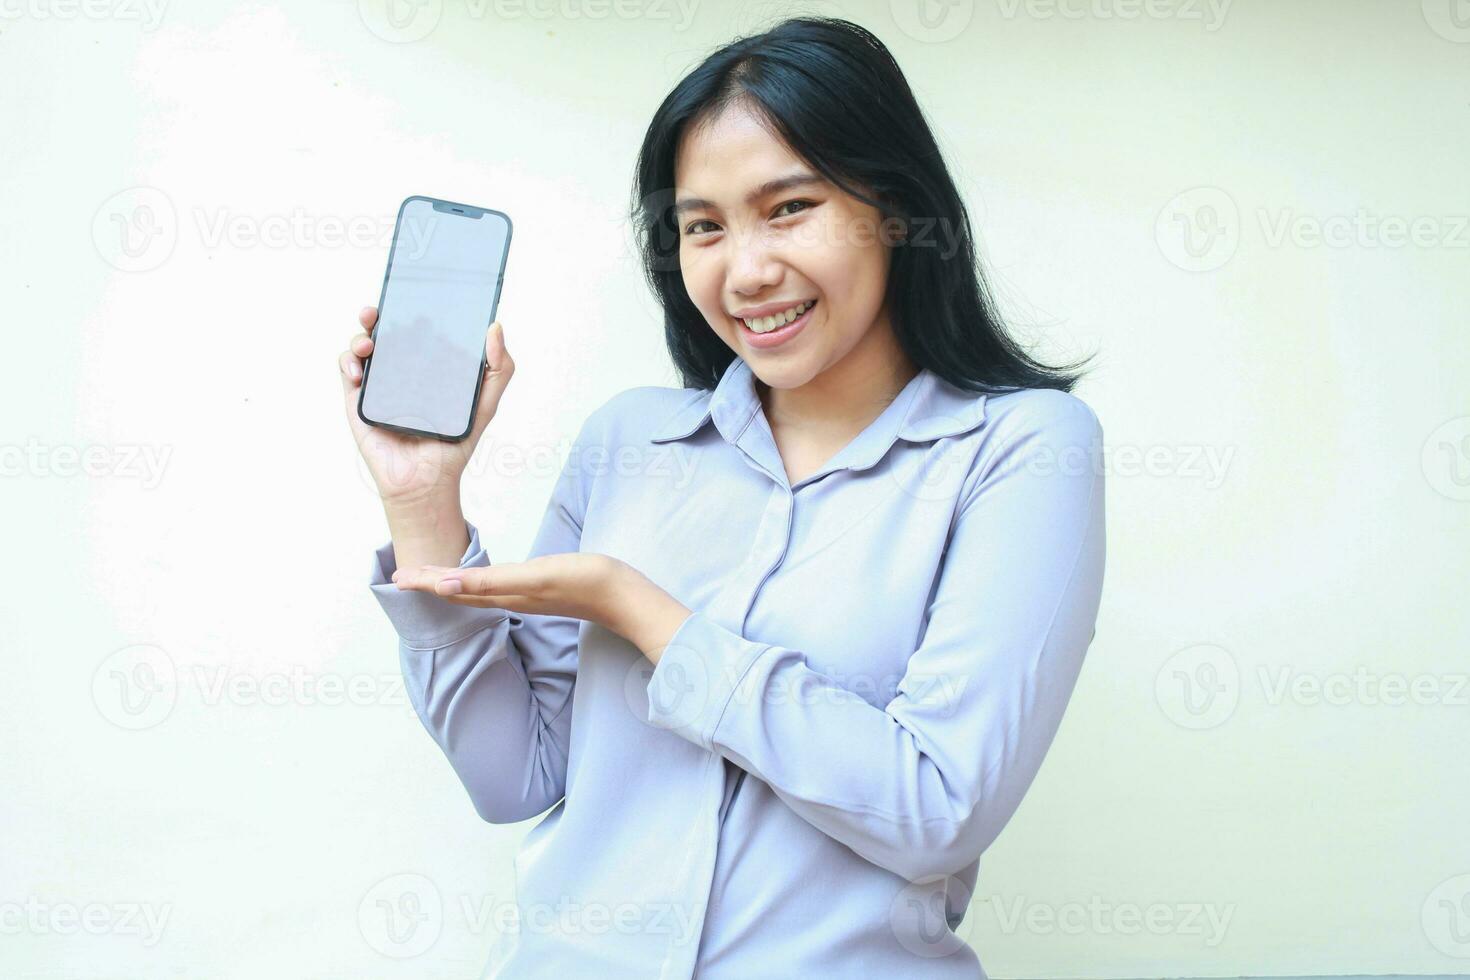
[738, 122]
[726, 154]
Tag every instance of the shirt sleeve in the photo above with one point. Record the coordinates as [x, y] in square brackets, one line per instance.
[924, 785]
[494, 687]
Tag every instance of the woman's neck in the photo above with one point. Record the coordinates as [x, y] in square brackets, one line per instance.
[848, 395]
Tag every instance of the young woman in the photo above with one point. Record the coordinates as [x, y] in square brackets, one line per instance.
[793, 639]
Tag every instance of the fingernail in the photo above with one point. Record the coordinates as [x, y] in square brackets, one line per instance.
[395, 576]
[449, 586]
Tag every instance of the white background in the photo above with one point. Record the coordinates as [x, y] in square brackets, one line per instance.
[1287, 415]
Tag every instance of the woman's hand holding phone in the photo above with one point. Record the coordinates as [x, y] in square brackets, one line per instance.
[409, 469]
[418, 477]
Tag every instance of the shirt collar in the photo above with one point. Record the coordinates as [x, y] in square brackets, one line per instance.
[927, 408]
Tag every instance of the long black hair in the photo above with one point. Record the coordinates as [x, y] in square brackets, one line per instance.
[835, 95]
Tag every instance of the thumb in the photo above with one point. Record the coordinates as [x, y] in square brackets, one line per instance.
[498, 370]
[351, 386]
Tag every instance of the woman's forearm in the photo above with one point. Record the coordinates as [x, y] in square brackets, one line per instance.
[429, 531]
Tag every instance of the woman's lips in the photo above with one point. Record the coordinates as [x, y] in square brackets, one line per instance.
[778, 336]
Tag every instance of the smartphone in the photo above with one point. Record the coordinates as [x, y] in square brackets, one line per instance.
[445, 269]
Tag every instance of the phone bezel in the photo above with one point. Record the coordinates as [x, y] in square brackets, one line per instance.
[439, 204]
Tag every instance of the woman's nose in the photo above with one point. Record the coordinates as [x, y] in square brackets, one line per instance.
[754, 266]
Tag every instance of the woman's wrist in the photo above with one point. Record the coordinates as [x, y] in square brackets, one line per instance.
[642, 613]
[428, 530]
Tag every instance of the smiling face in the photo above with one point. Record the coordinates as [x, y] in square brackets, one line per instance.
[749, 248]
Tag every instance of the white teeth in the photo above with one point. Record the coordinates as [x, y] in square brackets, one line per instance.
[765, 324]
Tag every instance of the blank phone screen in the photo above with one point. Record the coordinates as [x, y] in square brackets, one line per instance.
[439, 298]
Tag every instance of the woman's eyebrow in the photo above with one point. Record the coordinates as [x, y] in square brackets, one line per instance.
[802, 179]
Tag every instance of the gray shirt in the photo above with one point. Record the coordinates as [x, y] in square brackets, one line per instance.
[878, 659]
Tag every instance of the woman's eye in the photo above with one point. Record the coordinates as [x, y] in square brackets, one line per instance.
[693, 228]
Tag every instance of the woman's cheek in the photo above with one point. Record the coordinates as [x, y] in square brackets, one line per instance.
[695, 275]
[812, 236]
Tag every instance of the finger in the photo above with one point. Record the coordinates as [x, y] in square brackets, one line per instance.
[360, 344]
[458, 581]
[499, 366]
[419, 584]
[445, 588]
[427, 579]
[484, 580]
[424, 578]
[368, 317]
[497, 356]
[351, 370]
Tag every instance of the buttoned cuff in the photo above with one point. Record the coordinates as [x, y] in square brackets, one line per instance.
[424, 621]
[698, 676]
